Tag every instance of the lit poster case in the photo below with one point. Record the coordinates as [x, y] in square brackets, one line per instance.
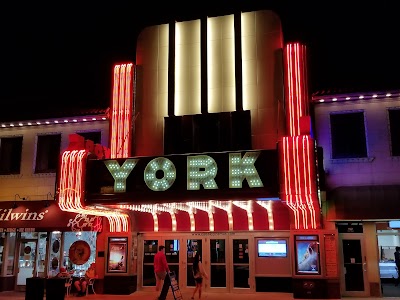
[307, 255]
[117, 255]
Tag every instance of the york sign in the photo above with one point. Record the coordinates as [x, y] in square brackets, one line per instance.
[189, 177]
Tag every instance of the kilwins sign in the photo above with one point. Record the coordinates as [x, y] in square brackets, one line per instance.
[243, 175]
[31, 216]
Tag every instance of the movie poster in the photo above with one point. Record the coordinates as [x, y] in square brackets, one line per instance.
[117, 252]
[307, 254]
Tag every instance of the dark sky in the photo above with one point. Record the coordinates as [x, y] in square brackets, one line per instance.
[62, 55]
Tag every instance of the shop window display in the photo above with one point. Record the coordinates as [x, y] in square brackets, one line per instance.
[2, 239]
[79, 251]
[9, 261]
[54, 261]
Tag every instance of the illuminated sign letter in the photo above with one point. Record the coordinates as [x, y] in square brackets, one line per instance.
[120, 173]
[201, 169]
[241, 168]
[150, 174]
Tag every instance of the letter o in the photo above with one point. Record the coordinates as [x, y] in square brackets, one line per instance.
[159, 164]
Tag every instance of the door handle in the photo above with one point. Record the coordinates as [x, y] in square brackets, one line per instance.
[364, 267]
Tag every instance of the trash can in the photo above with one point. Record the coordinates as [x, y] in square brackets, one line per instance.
[34, 288]
[55, 288]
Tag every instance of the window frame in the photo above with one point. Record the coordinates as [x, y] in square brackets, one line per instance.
[11, 157]
[36, 158]
[348, 112]
[390, 134]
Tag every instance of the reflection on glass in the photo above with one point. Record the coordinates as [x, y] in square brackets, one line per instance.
[192, 246]
[217, 251]
[150, 248]
[172, 251]
[241, 251]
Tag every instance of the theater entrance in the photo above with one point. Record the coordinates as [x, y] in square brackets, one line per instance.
[225, 256]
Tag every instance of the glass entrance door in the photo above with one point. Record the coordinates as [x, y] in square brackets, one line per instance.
[354, 269]
[193, 245]
[240, 276]
[150, 246]
[226, 259]
[26, 262]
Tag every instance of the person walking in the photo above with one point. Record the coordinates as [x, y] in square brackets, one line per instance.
[160, 270]
[198, 274]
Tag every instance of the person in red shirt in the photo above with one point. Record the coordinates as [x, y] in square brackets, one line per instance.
[160, 267]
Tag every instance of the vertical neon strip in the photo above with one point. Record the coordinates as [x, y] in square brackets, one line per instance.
[121, 119]
[288, 197]
[310, 187]
[114, 113]
[298, 187]
[289, 89]
[121, 101]
[127, 119]
[296, 90]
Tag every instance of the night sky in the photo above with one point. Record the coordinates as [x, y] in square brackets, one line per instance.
[62, 55]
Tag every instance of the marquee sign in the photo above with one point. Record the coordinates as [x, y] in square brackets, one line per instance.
[241, 175]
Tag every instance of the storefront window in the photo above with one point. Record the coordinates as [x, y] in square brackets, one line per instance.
[10, 240]
[2, 240]
[42, 254]
[54, 262]
[29, 235]
[79, 250]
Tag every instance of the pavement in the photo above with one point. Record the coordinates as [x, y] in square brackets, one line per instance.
[185, 296]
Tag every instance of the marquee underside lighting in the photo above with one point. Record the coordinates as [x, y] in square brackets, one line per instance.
[191, 209]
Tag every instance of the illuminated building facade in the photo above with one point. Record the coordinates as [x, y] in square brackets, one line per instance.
[210, 150]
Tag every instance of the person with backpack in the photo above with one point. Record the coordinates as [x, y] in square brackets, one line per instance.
[198, 274]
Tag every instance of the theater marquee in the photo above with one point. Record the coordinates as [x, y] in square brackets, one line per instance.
[241, 175]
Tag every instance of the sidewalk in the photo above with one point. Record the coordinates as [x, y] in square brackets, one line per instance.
[186, 296]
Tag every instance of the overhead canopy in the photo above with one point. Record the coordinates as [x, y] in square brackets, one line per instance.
[372, 202]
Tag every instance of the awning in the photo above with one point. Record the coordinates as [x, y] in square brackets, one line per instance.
[372, 202]
[34, 216]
